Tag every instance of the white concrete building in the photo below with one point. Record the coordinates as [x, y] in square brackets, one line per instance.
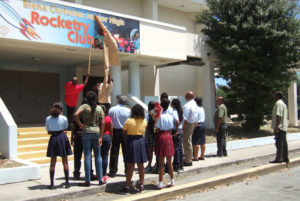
[35, 68]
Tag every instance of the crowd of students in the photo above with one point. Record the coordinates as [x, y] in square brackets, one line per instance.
[159, 132]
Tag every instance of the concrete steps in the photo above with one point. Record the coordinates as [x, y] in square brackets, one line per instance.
[33, 143]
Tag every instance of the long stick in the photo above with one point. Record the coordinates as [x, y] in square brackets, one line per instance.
[90, 56]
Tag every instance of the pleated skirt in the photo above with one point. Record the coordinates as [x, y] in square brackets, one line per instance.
[164, 144]
[135, 149]
[58, 145]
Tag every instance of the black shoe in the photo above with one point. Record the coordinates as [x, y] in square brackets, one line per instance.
[225, 154]
[102, 182]
[125, 190]
[188, 164]
[51, 187]
[201, 158]
[85, 184]
[286, 161]
[76, 177]
[276, 161]
[67, 185]
[112, 175]
[94, 177]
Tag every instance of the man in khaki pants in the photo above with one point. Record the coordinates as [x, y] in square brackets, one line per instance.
[189, 117]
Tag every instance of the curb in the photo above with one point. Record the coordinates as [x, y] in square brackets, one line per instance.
[168, 193]
[116, 185]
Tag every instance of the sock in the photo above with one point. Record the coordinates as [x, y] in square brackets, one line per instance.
[52, 177]
[172, 182]
[67, 175]
[160, 184]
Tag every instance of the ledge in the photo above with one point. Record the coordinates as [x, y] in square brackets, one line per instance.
[30, 171]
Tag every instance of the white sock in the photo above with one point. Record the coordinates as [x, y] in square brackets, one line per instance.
[160, 185]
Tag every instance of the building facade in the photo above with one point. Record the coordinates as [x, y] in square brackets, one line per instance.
[45, 43]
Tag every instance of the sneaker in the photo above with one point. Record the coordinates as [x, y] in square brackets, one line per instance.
[102, 182]
[160, 186]
[181, 170]
[125, 190]
[142, 189]
[170, 184]
[105, 178]
[67, 185]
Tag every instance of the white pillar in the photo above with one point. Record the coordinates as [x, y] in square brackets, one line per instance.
[156, 82]
[115, 73]
[209, 99]
[292, 104]
[150, 9]
[134, 78]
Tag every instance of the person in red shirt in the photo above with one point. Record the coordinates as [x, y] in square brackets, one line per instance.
[72, 90]
[106, 142]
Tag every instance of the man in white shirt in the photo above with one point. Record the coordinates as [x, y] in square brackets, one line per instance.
[280, 125]
[189, 117]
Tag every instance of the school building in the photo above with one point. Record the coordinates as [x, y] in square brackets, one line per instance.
[45, 43]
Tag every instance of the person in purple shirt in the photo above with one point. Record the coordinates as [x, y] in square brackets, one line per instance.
[118, 114]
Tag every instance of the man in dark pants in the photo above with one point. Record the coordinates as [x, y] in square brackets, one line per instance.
[72, 90]
[78, 150]
[118, 114]
[279, 124]
[221, 126]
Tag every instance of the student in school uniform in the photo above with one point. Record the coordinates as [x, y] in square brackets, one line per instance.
[150, 135]
[136, 150]
[164, 143]
[59, 145]
[177, 135]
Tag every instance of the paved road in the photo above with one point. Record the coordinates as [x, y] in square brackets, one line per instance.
[278, 186]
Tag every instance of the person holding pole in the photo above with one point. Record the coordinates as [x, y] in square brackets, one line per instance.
[72, 90]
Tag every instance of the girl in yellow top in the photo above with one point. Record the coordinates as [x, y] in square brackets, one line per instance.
[135, 149]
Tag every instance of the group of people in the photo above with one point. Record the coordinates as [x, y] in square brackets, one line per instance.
[174, 133]
[126, 43]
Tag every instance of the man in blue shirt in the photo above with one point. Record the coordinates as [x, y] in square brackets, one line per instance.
[118, 114]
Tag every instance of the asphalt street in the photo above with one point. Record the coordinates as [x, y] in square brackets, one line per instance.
[277, 186]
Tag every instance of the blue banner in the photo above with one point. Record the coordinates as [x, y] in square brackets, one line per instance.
[58, 24]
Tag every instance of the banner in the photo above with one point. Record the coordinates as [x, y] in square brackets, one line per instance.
[40, 21]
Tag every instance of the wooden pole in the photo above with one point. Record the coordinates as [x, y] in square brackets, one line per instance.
[90, 56]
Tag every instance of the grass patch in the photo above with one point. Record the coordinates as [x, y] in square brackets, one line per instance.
[236, 132]
[6, 163]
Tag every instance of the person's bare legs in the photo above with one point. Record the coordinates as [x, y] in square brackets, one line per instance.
[141, 172]
[203, 146]
[196, 151]
[129, 173]
[161, 167]
[150, 154]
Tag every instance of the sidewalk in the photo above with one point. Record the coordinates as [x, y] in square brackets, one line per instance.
[37, 190]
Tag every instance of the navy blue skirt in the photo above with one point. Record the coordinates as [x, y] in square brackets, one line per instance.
[135, 149]
[198, 137]
[59, 145]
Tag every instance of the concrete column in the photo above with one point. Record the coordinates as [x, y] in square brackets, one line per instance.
[150, 9]
[115, 73]
[209, 99]
[292, 104]
[134, 78]
[156, 82]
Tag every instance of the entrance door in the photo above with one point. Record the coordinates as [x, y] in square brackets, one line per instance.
[29, 95]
